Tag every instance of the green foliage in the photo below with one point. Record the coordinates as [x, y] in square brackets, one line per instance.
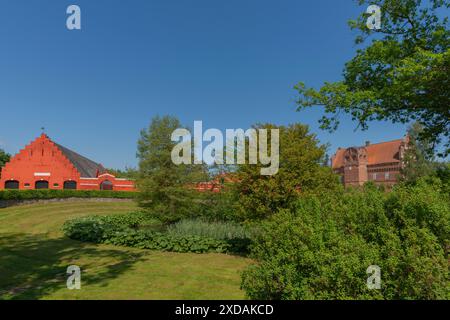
[43, 194]
[165, 242]
[128, 173]
[129, 230]
[219, 206]
[402, 76]
[100, 228]
[166, 188]
[301, 170]
[322, 248]
[215, 230]
[4, 158]
[443, 174]
[418, 161]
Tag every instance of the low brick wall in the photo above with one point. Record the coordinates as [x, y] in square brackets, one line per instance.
[10, 203]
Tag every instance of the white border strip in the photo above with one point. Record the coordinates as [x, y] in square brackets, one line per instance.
[42, 174]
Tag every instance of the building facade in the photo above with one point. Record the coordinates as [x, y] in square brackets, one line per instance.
[44, 164]
[380, 163]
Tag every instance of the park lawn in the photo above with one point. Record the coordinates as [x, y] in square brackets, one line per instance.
[34, 256]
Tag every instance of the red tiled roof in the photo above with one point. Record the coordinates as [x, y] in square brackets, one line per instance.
[384, 152]
[338, 159]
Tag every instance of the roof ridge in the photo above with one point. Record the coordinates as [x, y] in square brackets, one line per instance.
[384, 142]
[61, 146]
[85, 166]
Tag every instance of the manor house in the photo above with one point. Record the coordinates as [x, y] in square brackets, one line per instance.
[379, 162]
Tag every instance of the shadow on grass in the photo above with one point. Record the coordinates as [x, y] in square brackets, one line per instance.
[34, 266]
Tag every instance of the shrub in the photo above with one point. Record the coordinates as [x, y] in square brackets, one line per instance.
[164, 242]
[322, 248]
[62, 194]
[100, 228]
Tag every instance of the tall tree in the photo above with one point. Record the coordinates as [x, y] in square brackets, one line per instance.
[166, 189]
[4, 158]
[401, 76]
[418, 162]
[301, 170]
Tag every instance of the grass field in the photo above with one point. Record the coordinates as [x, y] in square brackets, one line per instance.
[34, 256]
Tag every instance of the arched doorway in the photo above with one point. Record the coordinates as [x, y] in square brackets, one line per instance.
[12, 184]
[41, 184]
[70, 185]
[106, 185]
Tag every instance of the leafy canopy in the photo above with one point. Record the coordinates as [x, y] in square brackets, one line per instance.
[301, 170]
[401, 76]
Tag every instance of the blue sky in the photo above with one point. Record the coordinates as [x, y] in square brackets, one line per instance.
[228, 63]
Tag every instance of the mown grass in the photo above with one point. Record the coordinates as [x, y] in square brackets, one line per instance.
[34, 256]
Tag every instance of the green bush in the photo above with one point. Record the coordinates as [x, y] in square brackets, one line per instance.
[100, 228]
[62, 194]
[322, 248]
[165, 242]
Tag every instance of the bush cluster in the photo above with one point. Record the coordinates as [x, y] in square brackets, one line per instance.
[165, 242]
[322, 248]
[132, 230]
[44, 194]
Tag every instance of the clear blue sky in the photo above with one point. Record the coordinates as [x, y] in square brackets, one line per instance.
[229, 63]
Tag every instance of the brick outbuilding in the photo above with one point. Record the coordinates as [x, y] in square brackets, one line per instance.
[44, 164]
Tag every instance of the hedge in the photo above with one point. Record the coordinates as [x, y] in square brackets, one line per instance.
[62, 194]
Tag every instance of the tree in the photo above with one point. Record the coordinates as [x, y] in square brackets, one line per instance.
[418, 162]
[4, 158]
[301, 170]
[402, 76]
[166, 189]
[128, 173]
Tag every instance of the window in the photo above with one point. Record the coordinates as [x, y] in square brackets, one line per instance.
[12, 184]
[374, 176]
[386, 176]
[26, 185]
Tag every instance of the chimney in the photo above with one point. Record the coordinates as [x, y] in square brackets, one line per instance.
[367, 143]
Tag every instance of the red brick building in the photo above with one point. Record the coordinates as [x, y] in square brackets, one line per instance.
[44, 164]
[380, 163]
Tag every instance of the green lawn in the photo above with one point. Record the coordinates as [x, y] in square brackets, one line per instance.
[34, 256]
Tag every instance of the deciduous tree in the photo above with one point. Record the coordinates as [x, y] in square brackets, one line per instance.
[401, 76]
[166, 190]
[301, 170]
